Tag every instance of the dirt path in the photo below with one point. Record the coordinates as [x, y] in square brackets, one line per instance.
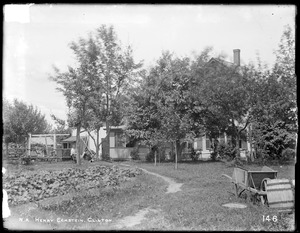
[136, 219]
[173, 186]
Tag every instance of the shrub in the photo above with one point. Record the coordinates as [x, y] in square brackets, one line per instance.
[106, 157]
[150, 156]
[214, 155]
[225, 151]
[160, 155]
[288, 154]
[194, 155]
[134, 154]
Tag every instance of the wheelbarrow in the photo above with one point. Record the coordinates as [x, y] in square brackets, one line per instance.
[263, 186]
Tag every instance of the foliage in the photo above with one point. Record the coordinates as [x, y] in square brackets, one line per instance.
[134, 154]
[288, 154]
[160, 112]
[223, 94]
[194, 155]
[21, 119]
[275, 114]
[95, 89]
[106, 157]
[32, 187]
[150, 156]
[226, 151]
[273, 139]
[60, 126]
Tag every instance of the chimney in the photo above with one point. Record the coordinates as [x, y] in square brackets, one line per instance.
[236, 56]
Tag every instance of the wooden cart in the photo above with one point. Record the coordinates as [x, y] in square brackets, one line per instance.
[263, 186]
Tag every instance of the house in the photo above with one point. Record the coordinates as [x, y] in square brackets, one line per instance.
[120, 145]
[203, 143]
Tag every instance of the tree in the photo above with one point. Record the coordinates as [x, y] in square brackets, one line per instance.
[20, 119]
[60, 126]
[162, 109]
[223, 95]
[275, 112]
[95, 87]
[73, 86]
[116, 70]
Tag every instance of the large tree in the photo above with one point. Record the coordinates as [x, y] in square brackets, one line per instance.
[275, 112]
[162, 108]
[73, 86]
[95, 87]
[223, 94]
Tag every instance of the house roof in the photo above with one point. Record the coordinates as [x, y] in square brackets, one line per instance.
[41, 140]
[121, 127]
[225, 63]
[70, 139]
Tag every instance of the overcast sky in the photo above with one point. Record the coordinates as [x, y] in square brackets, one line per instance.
[36, 37]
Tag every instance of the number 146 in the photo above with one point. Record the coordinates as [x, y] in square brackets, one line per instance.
[268, 218]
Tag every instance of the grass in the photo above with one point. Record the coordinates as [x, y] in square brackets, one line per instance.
[197, 207]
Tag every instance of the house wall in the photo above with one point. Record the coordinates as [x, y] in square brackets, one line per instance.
[91, 144]
[120, 153]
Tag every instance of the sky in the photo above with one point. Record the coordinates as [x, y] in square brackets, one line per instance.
[37, 36]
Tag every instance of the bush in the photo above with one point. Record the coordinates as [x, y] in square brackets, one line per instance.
[214, 155]
[106, 157]
[160, 155]
[225, 151]
[194, 155]
[134, 154]
[288, 154]
[150, 156]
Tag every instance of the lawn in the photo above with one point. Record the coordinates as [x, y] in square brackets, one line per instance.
[197, 207]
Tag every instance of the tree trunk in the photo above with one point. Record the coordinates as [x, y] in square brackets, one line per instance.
[179, 149]
[155, 154]
[97, 146]
[78, 144]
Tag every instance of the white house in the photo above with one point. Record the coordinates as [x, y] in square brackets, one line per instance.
[119, 142]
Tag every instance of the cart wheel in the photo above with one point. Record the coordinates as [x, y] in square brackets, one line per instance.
[263, 187]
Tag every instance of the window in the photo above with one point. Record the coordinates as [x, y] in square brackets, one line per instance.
[120, 139]
[208, 144]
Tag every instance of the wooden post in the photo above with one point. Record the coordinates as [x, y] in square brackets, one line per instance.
[29, 144]
[155, 152]
[46, 146]
[54, 144]
[250, 136]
